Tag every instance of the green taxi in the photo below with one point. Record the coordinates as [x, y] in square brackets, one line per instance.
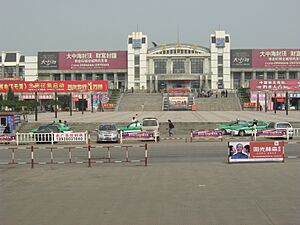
[250, 127]
[232, 125]
[61, 127]
[133, 126]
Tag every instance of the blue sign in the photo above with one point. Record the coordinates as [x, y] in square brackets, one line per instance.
[220, 42]
[136, 43]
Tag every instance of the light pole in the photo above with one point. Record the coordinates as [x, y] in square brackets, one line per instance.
[287, 103]
[70, 104]
[82, 104]
[55, 101]
[92, 102]
[35, 108]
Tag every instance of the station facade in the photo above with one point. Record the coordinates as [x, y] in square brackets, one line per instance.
[153, 68]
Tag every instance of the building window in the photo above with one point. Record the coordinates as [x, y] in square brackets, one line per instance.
[137, 73]
[178, 66]
[78, 77]
[293, 75]
[136, 60]
[10, 71]
[160, 66]
[259, 75]
[220, 71]
[270, 75]
[89, 76]
[213, 39]
[67, 76]
[227, 39]
[130, 40]
[143, 40]
[197, 66]
[220, 60]
[281, 75]
[21, 71]
[248, 76]
[236, 80]
[56, 76]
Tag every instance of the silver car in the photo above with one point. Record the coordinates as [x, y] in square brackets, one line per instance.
[107, 133]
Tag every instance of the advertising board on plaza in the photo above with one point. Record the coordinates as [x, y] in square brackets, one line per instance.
[266, 151]
[82, 60]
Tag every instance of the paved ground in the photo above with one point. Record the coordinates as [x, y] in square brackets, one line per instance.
[184, 184]
[176, 116]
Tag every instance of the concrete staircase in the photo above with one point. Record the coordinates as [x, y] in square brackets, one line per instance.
[134, 102]
[231, 103]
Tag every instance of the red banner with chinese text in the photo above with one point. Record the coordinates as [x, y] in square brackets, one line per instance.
[275, 85]
[271, 149]
[55, 86]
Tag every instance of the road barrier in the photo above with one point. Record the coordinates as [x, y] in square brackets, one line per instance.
[89, 160]
[206, 135]
[25, 138]
[138, 136]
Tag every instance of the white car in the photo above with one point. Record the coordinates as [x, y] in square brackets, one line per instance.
[282, 126]
[151, 124]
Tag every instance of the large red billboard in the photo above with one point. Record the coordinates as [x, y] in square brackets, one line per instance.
[276, 58]
[92, 60]
[55, 86]
[275, 85]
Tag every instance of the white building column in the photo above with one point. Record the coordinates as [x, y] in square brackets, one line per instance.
[51, 76]
[115, 81]
[156, 83]
[242, 80]
[151, 84]
[287, 75]
[276, 75]
[265, 75]
[105, 76]
[62, 76]
[253, 75]
[93, 76]
[83, 76]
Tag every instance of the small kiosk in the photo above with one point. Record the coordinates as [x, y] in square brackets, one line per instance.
[9, 122]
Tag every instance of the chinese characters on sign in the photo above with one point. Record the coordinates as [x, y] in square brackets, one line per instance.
[275, 85]
[55, 86]
[275, 58]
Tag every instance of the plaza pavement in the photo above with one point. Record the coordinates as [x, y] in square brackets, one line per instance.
[163, 116]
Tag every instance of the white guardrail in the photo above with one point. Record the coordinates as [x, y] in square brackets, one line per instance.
[52, 138]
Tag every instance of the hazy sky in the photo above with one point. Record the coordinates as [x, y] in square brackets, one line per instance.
[30, 26]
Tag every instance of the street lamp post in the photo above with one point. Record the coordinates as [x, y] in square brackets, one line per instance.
[275, 102]
[287, 103]
[55, 101]
[82, 104]
[92, 102]
[35, 108]
[70, 104]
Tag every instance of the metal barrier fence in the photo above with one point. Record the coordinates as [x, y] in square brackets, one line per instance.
[89, 160]
[22, 138]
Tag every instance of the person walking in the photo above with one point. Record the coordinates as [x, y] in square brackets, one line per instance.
[170, 128]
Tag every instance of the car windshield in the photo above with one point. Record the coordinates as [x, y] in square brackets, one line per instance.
[47, 129]
[271, 125]
[149, 123]
[283, 125]
[108, 127]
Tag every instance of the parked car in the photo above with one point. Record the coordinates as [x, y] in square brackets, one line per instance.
[133, 126]
[282, 126]
[107, 133]
[61, 126]
[250, 127]
[228, 127]
[151, 124]
[43, 133]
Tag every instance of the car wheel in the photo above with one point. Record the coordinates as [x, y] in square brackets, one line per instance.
[242, 133]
